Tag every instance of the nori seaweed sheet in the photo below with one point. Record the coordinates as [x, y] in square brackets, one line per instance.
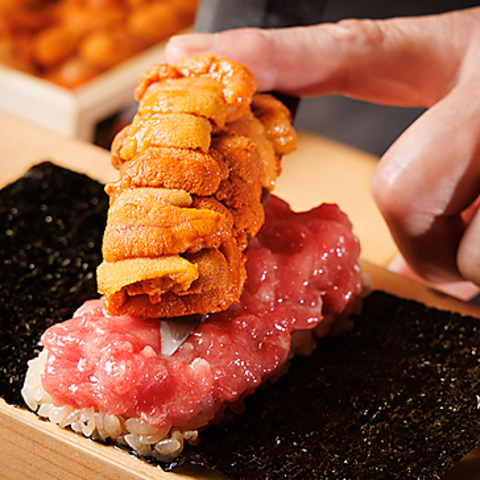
[396, 399]
[52, 223]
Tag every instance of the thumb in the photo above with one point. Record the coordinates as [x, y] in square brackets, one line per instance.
[428, 179]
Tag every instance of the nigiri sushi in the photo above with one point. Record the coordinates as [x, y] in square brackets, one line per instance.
[190, 247]
[106, 377]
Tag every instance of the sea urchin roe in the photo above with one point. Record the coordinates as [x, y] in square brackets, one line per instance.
[300, 267]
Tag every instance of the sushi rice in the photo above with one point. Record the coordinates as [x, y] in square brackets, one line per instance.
[164, 444]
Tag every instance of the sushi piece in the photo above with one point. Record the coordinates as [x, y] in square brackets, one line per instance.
[106, 377]
[194, 163]
[264, 280]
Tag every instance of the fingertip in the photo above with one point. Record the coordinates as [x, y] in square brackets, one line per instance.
[463, 290]
[180, 46]
[249, 46]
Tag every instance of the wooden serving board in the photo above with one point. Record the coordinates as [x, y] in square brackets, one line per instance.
[34, 449]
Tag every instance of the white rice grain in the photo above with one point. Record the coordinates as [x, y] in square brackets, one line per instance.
[112, 425]
[102, 432]
[168, 449]
[154, 437]
[139, 427]
[191, 436]
[59, 414]
[70, 418]
[44, 410]
[77, 426]
[141, 448]
[88, 422]
[29, 397]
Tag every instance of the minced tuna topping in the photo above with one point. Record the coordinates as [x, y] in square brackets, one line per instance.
[302, 270]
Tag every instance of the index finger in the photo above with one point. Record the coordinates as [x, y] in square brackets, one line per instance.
[390, 61]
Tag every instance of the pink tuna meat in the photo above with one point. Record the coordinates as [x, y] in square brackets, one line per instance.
[300, 267]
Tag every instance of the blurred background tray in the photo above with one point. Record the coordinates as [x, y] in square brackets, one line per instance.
[75, 113]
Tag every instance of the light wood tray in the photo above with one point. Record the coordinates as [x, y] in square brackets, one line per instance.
[75, 113]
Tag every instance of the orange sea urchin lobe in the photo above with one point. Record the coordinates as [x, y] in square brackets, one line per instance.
[193, 164]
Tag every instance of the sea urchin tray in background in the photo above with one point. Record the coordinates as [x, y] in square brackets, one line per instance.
[395, 399]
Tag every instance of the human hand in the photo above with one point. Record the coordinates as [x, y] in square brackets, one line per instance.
[426, 185]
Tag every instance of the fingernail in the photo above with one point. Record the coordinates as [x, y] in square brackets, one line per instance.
[196, 42]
